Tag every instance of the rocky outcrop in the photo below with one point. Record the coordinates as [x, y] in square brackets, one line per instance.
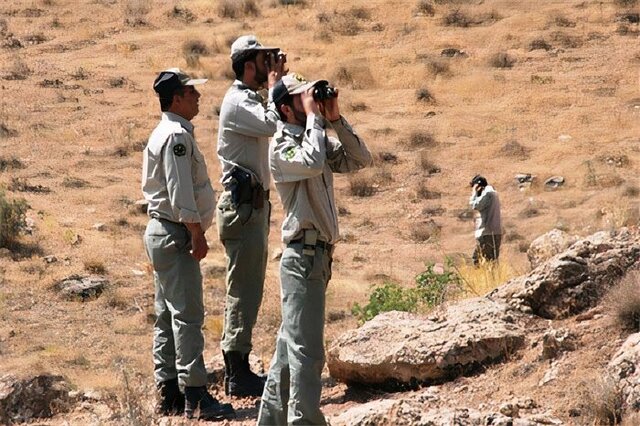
[82, 288]
[575, 279]
[548, 245]
[413, 412]
[625, 370]
[24, 399]
[401, 348]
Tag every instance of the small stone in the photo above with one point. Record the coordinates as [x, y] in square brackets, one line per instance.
[50, 259]
[99, 226]
[509, 410]
[138, 273]
[564, 138]
[4, 253]
[141, 206]
[554, 182]
[83, 288]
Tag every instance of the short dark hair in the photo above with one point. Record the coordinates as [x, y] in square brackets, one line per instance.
[166, 98]
[238, 63]
[478, 180]
[286, 99]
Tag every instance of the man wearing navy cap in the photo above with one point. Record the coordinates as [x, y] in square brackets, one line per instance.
[243, 208]
[181, 208]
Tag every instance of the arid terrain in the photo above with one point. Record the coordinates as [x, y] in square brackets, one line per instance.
[440, 90]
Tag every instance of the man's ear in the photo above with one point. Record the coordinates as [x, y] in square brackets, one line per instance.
[249, 66]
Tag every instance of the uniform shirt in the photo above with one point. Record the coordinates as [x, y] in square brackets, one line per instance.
[244, 128]
[302, 161]
[488, 205]
[174, 174]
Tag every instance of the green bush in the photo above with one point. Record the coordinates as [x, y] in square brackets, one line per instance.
[12, 219]
[432, 288]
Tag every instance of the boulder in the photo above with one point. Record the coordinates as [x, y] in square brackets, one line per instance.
[396, 349]
[574, 280]
[548, 245]
[555, 342]
[625, 370]
[401, 412]
[76, 287]
[27, 398]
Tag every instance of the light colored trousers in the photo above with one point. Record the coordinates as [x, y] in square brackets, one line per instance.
[177, 339]
[292, 392]
[244, 232]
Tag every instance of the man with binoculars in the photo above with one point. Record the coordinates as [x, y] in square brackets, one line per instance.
[302, 161]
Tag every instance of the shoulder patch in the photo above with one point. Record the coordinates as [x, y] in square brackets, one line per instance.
[179, 150]
[290, 153]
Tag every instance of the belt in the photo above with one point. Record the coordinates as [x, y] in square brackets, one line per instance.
[319, 244]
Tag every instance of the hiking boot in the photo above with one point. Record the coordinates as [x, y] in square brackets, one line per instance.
[241, 380]
[227, 373]
[170, 399]
[202, 406]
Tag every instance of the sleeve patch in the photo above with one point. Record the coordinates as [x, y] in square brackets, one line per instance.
[179, 150]
[290, 153]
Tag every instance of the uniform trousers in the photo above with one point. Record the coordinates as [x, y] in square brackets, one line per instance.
[177, 339]
[244, 232]
[487, 248]
[292, 392]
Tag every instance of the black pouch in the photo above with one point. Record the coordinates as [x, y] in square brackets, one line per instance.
[240, 187]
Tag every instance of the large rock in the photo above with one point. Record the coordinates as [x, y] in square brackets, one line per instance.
[23, 399]
[405, 412]
[575, 279]
[548, 245]
[625, 369]
[398, 348]
[77, 287]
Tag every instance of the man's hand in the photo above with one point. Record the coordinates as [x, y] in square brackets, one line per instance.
[199, 246]
[275, 67]
[308, 103]
[330, 109]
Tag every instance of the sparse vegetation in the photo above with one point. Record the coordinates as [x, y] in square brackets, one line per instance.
[419, 139]
[12, 220]
[192, 50]
[361, 185]
[424, 95]
[428, 231]
[95, 266]
[601, 400]
[424, 193]
[387, 157]
[432, 287]
[18, 70]
[135, 13]
[462, 19]
[539, 44]
[623, 302]
[565, 40]
[426, 165]
[233, 9]
[424, 8]
[514, 149]
[181, 13]
[480, 279]
[11, 163]
[502, 60]
[74, 182]
[347, 22]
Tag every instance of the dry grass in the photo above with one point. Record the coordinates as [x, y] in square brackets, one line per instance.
[502, 60]
[428, 231]
[424, 8]
[361, 185]
[419, 139]
[601, 400]
[481, 279]
[623, 302]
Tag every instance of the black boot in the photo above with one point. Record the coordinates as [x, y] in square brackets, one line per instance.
[200, 401]
[242, 381]
[170, 399]
[227, 373]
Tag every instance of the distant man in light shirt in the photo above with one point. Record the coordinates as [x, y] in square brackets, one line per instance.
[303, 160]
[181, 206]
[484, 199]
[243, 209]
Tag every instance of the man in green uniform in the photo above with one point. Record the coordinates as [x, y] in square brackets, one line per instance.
[243, 208]
[181, 206]
[303, 160]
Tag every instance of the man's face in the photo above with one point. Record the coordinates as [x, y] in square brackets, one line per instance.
[262, 73]
[189, 102]
[298, 111]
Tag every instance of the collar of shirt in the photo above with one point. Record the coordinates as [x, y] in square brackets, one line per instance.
[186, 124]
[239, 85]
[293, 129]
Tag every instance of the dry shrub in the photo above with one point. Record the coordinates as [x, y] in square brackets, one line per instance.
[135, 12]
[80, 74]
[602, 400]
[11, 163]
[564, 22]
[424, 8]
[424, 193]
[428, 231]
[565, 40]
[95, 266]
[464, 20]
[347, 22]
[358, 106]
[233, 9]
[18, 70]
[426, 165]
[437, 68]
[12, 220]
[382, 176]
[33, 39]
[539, 44]
[73, 182]
[6, 132]
[361, 185]
[623, 302]
[357, 76]
[288, 3]
[626, 3]
[192, 50]
[424, 95]
[116, 82]
[631, 191]
[182, 14]
[387, 157]
[419, 139]
[514, 149]
[502, 60]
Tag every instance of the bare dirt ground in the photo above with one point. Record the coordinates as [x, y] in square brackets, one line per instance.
[547, 88]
